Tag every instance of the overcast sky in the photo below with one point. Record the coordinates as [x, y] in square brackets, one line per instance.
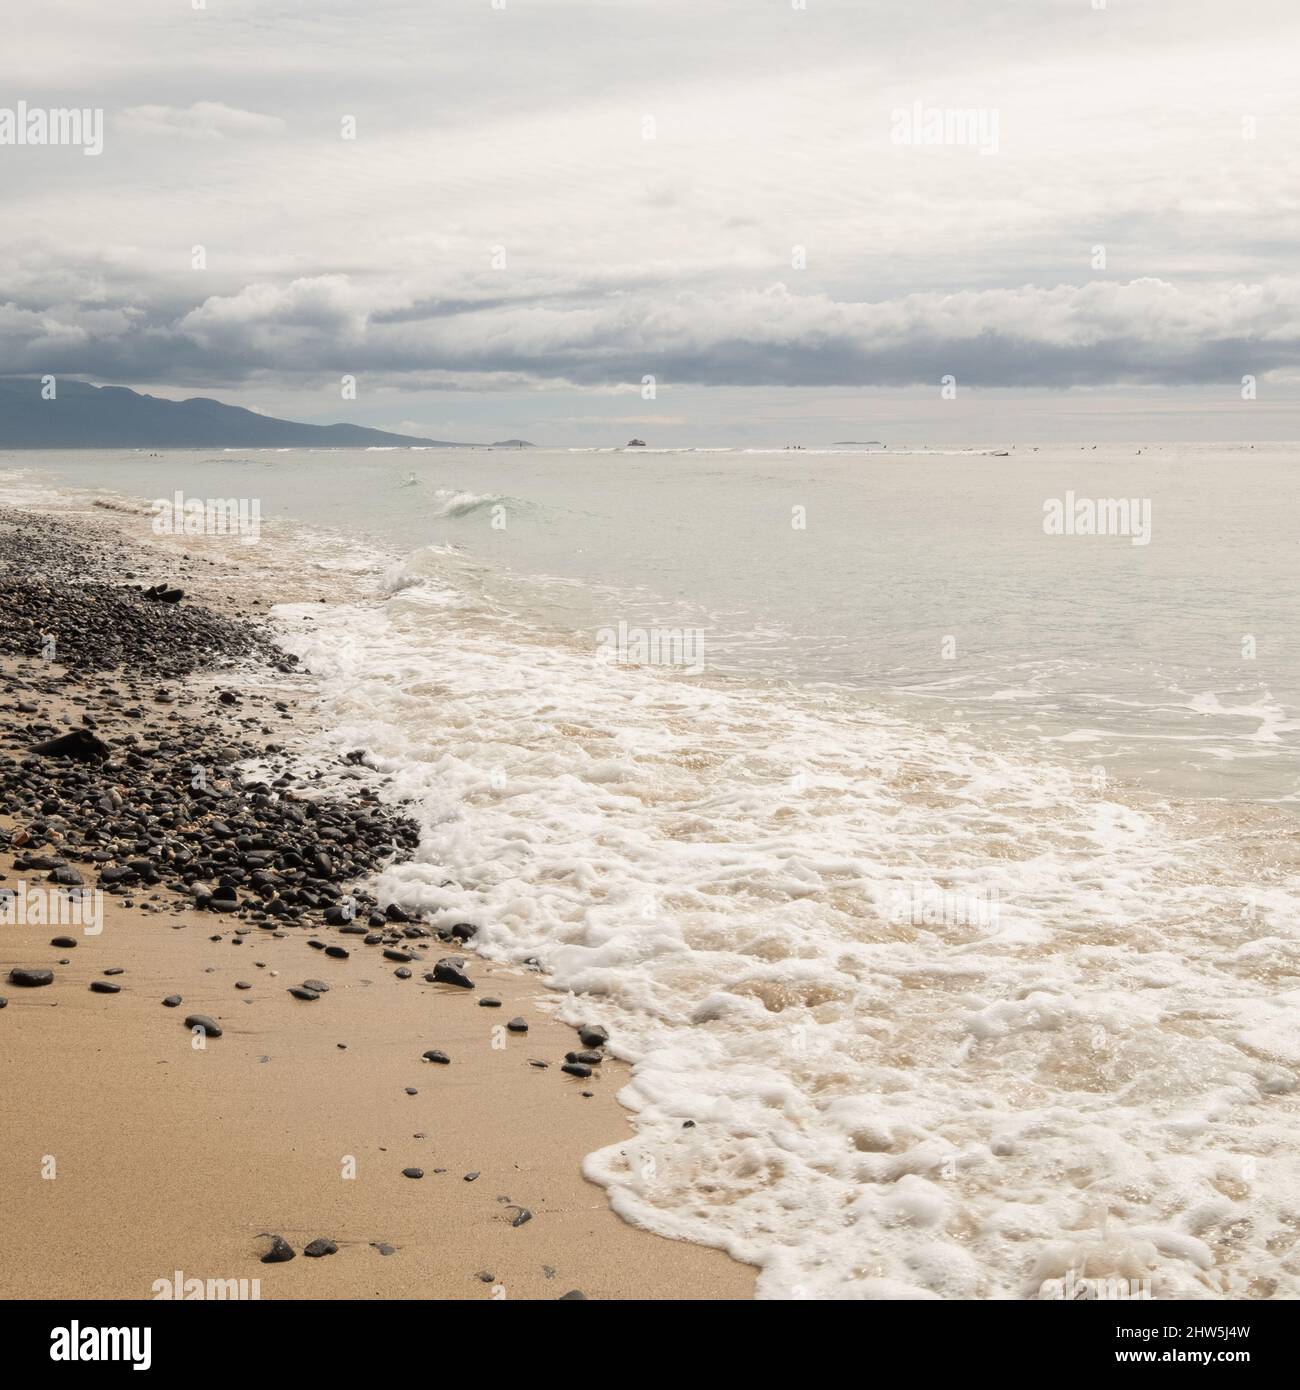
[501, 250]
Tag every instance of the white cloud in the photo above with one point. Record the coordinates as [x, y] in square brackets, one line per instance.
[204, 120]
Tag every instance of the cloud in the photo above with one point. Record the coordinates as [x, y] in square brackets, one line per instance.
[674, 256]
[323, 304]
[1145, 330]
[204, 120]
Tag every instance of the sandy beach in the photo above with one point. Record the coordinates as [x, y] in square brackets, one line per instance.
[144, 1151]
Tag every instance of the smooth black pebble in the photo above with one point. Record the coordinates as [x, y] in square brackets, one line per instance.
[31, 979]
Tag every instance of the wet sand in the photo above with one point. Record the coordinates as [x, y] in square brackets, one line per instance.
[171, 1152]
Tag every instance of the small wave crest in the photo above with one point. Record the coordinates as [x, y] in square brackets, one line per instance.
[454, 503]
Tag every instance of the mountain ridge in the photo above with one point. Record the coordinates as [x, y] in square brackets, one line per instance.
[82, 416]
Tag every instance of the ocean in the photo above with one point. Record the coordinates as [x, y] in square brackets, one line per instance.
[933, 857]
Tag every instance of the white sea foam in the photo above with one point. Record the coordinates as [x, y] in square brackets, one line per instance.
[763, 892]
[1101, 1079]
[24, 487]
[455, 503]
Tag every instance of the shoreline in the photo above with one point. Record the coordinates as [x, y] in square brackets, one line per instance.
[171, 1151]
[802, 1045]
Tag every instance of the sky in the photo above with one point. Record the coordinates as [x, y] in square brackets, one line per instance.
[694, 221]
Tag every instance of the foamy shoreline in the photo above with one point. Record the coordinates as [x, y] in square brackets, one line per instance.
[883, 983]
[170, 1157]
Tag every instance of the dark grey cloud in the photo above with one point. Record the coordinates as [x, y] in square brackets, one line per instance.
[1143, 332]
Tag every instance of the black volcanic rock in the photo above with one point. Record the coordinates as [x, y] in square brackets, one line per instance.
[450, 971]
[280, 1252]
[30, 979]
[80, 745]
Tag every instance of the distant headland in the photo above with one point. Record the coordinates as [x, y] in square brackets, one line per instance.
[80, 416]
